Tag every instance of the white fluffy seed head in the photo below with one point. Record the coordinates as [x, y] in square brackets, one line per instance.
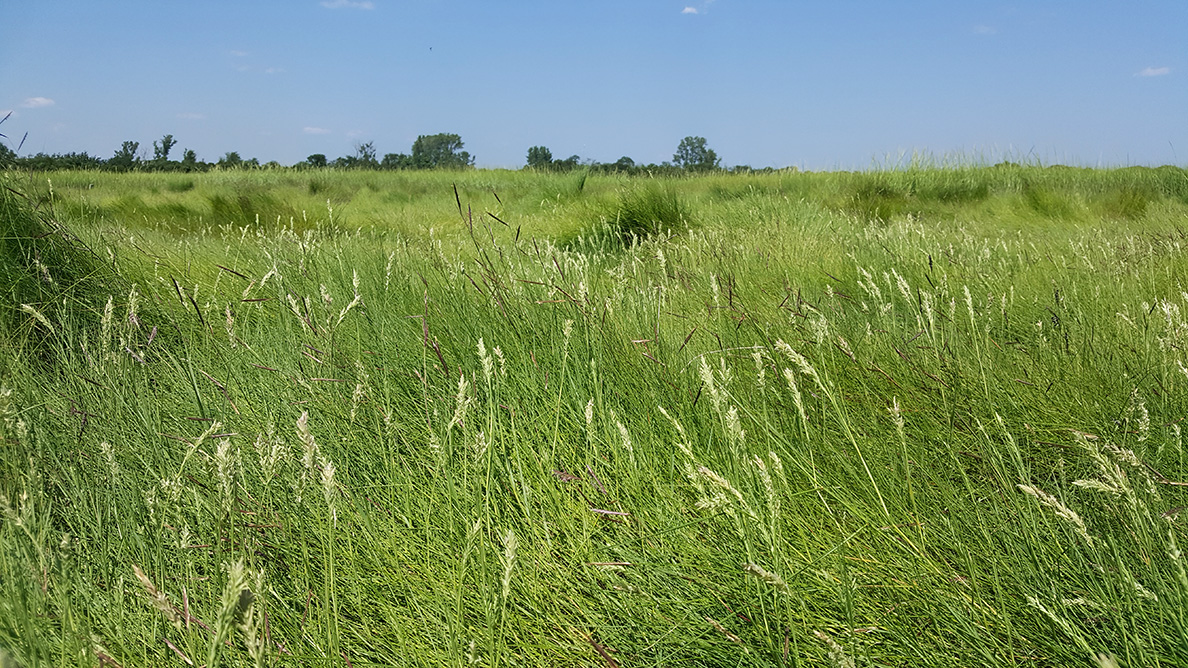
[758, 572]
[487, 362]
[1063, 512]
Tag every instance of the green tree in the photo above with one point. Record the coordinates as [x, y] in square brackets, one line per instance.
[694, 156]
[624, 164]
[440, 151]
[161, 150]
[396, 161]
[189, 161]
[125, 158]
[567, 164]
[231, 160]
[316, 160]
[540, 157]
[365, 156]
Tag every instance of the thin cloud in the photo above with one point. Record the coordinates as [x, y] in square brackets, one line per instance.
[690, 9]
[310, 130]
[348, 4]
[1153, 72]
[37, 102]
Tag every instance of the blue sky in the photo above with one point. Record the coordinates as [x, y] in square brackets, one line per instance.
[820, 85]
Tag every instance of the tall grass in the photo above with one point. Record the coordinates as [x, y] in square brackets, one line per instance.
[419, 429]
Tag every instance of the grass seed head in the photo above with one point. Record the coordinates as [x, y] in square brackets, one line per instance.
[329, 489]
[157, 598]
[37, 315]
[837, 653]
[510, 544]
[461, 402]
[487, 362]
[1063, 512]
[309, 447]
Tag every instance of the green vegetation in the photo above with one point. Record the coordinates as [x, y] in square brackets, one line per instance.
[928, 416]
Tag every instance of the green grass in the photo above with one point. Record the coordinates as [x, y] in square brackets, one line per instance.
[923, 416]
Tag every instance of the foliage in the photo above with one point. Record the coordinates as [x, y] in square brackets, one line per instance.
[364, 157]
[126, 158]
[161, 150]
[396, 161]
[539, 157]
[189, 161]
[231, 160]
[440, 151]
[694, 155]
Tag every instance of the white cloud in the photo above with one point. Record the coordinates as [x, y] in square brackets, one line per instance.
[985, 30]
[1153, 72]
[310, 130]
[348, 4]
[191, 116]
[36, 102]
[690, 10]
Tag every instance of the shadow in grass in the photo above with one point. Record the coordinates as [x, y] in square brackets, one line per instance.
[50, 277]
[635, 215]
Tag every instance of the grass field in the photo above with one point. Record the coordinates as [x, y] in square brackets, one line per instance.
[919, 417]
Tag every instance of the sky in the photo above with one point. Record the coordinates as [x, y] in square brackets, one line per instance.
[831, 84]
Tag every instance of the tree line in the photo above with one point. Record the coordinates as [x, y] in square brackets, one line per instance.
[437, 151]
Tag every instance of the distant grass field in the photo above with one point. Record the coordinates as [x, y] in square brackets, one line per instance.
[927, 417]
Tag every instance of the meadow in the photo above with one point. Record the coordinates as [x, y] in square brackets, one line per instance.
[925, 416]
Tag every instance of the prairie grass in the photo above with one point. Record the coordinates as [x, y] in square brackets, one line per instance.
[922, 416]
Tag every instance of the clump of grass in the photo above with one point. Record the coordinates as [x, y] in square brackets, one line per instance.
[643, 212]
[250, 208]
[1127, 203]
[47, 271]
[877, 197]
[180, 186]
[1047, 202]
[963, 187]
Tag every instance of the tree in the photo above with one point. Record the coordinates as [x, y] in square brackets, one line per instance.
[231, 160]
[567, 164]
[365, 156]
[440, 151]
[396, 161]
[161, 151]
[624, 164]
[540, 157]
[316, 160]
[694, 156]
[125, 158]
